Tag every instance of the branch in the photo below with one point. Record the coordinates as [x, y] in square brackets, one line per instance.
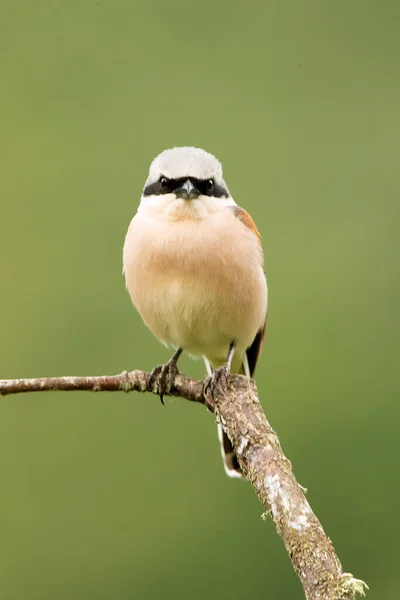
[263, 463]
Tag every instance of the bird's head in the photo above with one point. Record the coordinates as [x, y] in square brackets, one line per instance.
[185, 183]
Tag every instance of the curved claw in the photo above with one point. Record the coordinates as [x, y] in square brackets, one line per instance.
[154, 377]
[164, 375]
[217, 380]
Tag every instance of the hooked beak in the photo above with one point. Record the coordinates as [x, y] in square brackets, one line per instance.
[187, 191]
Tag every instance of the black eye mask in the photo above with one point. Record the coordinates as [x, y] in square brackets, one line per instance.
[168, 186]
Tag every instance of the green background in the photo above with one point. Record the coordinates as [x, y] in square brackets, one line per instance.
[114, 496]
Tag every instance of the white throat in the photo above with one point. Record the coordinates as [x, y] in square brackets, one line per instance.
[173, 208]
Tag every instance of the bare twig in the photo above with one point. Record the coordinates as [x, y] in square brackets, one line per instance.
[134, 381]
[261, 458]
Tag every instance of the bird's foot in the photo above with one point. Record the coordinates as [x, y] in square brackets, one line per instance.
[164, 377]
[217, 381]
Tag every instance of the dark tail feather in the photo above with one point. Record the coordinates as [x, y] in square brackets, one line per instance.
[231, 464]
[229, 457]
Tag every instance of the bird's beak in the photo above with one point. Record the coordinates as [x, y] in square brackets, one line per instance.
[187, 191]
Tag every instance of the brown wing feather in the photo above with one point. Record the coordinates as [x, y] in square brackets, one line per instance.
[253, 352]
[247, 220]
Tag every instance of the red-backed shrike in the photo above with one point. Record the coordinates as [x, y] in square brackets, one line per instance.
[193, 264]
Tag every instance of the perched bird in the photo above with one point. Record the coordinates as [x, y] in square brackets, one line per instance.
[193, 265]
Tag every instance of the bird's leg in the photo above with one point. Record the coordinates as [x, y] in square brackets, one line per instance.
[165, 374]
[220, 375]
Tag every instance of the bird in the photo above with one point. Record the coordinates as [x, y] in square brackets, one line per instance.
[194, 269]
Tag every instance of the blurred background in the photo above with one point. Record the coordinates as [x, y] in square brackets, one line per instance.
[115, 496]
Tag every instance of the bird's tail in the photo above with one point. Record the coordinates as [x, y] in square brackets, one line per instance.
[231, 464]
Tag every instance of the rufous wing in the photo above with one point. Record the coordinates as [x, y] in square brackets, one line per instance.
[253, 352]
[247, 221]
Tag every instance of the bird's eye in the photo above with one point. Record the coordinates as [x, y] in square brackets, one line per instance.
[210, 185]
[163, 181]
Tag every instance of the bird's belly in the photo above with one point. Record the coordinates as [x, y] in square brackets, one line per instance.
[185, 316]
[199, 295]
[201, 319]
